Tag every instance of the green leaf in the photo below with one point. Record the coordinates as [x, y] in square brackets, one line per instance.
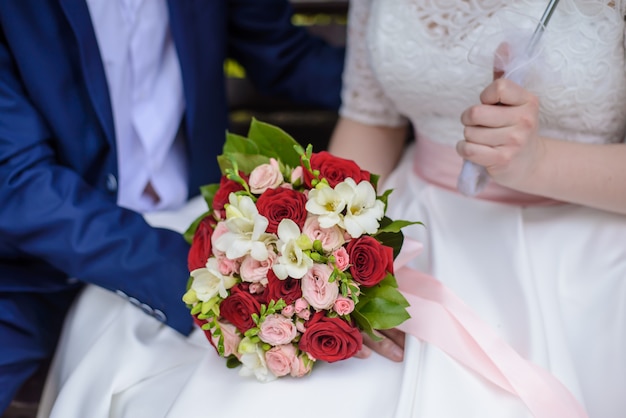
[364, 324]
[383, 315]
[389, 280]
[389, 233]
[374, 180]
[208, 193]
[384, 292]
[396, 226]
[385, 196]
[384, 307]
[196, 309]
[239, 144]
[391, 239]
[191, 230]
[232, 362]
[274, 142]
[245, 162]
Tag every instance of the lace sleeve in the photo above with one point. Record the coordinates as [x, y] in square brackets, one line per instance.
[363, 99]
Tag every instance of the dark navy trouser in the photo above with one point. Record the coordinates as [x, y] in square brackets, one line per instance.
[30, 325]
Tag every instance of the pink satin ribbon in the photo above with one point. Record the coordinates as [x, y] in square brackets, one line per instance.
[440, 165]
[442, 319]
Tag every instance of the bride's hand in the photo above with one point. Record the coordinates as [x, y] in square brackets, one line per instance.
[391, 346]
[501, 133]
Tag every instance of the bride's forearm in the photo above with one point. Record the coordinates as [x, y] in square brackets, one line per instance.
[588, 174]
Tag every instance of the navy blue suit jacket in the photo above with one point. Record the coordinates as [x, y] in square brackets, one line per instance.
[58, 212]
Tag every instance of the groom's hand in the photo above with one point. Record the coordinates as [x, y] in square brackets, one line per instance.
[391, 346]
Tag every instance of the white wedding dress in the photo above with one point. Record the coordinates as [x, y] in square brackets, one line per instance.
[550, 279]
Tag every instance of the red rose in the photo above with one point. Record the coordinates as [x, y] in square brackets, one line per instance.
[226, 188]
[288, 290]
[281, 203]
[239, 307]
[201, 245]
[369, 260]
[334, 169]
[330, 339]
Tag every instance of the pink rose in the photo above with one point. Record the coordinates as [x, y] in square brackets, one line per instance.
[305, 314]
[301, 366]
[279, 359]
[288, 311]
[342, 259]
[226, 266]
[255, 271]
[301, 305]
[231, 338]
[317, 290]
[256, 288]
[331, 238]
[300, 325]
[297, 175]
[265, 176]
[302, 308]
[220, 229]
[277, 330]
[343, 306]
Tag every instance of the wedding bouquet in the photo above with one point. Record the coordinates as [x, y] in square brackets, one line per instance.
[293, 259]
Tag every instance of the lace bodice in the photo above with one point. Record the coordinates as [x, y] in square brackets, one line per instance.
[428, 60]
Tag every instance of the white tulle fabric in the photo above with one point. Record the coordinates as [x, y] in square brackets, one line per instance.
[551, 279]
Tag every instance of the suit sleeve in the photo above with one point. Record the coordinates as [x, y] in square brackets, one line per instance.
[281, 58]
[48, 212]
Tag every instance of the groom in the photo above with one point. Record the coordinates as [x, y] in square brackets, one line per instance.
[113, 108]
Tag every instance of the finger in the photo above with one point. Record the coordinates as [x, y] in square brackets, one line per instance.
[385, 347]
[482, 155]
[395, 335]
[503, 91]
[491, 116]
[491, 137]
[364, 352]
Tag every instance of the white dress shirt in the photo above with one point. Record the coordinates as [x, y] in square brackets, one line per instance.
[146, 91]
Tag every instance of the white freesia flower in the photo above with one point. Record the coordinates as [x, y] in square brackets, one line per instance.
[327, 203]
[293, 262]
[253, 361]
[208, 282]
[246, 230]
[363, 210]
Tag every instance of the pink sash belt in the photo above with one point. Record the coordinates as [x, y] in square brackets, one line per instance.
[440, 165]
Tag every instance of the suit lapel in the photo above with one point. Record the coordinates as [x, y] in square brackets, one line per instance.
[77, 14]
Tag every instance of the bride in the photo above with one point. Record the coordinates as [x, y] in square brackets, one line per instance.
[539, 255]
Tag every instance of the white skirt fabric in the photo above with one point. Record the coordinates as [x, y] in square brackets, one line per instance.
[551, 280]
